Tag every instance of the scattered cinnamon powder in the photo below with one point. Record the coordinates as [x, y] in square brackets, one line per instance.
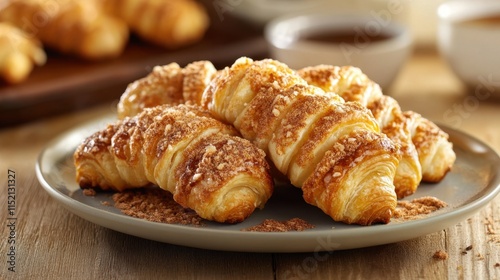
[480, 257]
[468, 248]
[89, 192]
[488, 222]
[105, 203]
[440, 255]
[156, 205]
[272, 225]
[411, 210]
[490, 230]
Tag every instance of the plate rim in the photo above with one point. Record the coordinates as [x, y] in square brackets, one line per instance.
[425, 226]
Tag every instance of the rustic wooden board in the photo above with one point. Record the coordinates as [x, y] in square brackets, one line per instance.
[68, 83]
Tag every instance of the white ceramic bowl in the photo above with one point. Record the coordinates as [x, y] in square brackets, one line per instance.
[380, 60]
[262, 11]
[471, 47]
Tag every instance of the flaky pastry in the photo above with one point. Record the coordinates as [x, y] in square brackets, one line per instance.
[183, 150]
[168, 84]
[333, 150]
[427, 152]
[300, 117]
[18, 54]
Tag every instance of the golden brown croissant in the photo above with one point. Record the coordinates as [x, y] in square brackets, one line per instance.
[18, 54]
[331, 149]
[308, 124]
[169, 84]
[385, 109]
[411, 130]
[435, 151]
[171, 24]
[352, 85]
[70, 26]
[183, 150]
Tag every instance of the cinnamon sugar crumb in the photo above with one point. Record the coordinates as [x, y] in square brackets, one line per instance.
[89, 192]
[411, 210]
[156, 205]
[488, 222]
[440, 255]
[272, 225]
[105, 203]
[490, 230]
[468, 248]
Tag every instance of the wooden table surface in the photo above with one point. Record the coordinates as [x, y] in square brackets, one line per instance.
[52, 243]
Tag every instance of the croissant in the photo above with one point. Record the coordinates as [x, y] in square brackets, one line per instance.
[18, 54]
[145, 93]
[333, 150]
[171, 24]
[70, 26]
[435, 151]
[417, 135]
[304, 130]
[169, 84]
[183, 150]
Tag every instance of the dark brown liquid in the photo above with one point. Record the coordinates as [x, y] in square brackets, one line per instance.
[491, 20]
[347, 37]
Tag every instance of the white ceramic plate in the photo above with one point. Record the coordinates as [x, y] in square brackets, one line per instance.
[472, 183]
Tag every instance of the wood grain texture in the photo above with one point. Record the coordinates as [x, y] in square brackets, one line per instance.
[52, 243]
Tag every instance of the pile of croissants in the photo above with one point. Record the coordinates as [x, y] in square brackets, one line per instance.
[213, 138]
[90, 29]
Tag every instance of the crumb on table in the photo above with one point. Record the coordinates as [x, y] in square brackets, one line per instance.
[468, 248]
[440, 255]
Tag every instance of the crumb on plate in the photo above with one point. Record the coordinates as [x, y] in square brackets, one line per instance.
[272, 225]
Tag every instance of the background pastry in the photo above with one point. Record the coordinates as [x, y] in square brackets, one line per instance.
[171, 24]
[18, 54]
[76, 27]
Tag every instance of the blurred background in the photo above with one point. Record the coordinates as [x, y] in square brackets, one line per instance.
[62, 72]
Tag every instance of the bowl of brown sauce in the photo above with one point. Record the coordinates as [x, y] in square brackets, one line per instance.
[378, 46]
[469, 40]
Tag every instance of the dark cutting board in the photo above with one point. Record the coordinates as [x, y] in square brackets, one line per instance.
[68, 83]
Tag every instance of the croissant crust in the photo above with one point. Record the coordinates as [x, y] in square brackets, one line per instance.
[427, 154]
[184, 151]
[328, 129]
[277, 110]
